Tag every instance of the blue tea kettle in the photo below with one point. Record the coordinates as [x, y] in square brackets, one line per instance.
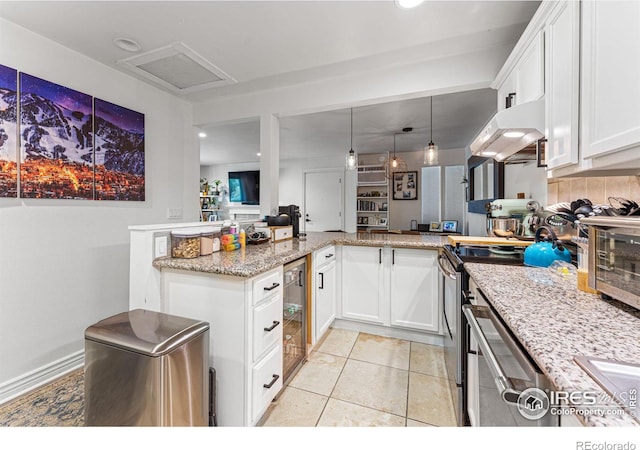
[545, 251]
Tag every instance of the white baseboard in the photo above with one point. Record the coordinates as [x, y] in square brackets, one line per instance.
[381, 330]
[43, 375]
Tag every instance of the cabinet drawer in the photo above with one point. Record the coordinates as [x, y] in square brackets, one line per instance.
[267, 285]
[267, 325]
[325, 255]
[267, 382]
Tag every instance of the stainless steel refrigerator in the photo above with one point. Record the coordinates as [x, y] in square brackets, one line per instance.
[294, 317]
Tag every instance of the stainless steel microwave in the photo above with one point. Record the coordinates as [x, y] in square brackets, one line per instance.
[614, 257]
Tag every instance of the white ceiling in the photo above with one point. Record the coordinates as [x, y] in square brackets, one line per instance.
[266, 44]
[456, 119]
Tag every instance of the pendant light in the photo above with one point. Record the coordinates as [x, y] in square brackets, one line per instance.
[394, 163]
[352, 157]
[431, 150]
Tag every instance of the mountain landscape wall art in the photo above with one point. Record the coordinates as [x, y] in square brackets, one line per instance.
[56, 136]
[119, 152]
[8, 129]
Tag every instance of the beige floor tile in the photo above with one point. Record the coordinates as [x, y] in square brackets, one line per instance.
[427, 359]
[382, 350]
[296, 408]
[338, 342]
[415, 423]
[343, 414]
[319, 374]
[378, 387]
[430, 400]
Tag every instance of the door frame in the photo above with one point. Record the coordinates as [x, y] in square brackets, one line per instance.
[304, 191]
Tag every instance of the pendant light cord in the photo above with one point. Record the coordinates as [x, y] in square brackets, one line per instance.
[431, 119]
[351, 128]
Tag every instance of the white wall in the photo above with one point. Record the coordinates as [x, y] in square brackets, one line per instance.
[291, 175]
[527, 178]
[65, 264]
[401, 212]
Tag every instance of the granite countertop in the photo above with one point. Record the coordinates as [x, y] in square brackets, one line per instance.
[255, 259]
[554, 321]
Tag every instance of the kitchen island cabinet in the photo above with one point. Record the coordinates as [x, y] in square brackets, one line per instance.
[235, 293]
[245, 317]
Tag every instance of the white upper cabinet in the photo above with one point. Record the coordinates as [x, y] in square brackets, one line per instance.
[529, 72]
[521, 80]
[562, 52]
[610, 112]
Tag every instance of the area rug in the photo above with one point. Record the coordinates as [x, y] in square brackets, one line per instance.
[57, 404]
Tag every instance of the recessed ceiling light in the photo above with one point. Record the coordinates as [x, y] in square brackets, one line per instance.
[407, 4]
[259, 154]
[128, 45]
[513, 134]
[486, 153]
[202, 135]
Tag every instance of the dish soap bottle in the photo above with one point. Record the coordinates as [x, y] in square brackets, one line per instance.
[243, 237]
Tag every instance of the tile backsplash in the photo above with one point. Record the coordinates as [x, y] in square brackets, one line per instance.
[596, 189]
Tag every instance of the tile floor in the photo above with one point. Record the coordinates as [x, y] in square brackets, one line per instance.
[358, 379]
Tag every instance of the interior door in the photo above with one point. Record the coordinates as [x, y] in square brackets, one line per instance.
[323, 195]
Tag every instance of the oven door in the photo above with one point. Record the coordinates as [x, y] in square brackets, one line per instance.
[499, 373]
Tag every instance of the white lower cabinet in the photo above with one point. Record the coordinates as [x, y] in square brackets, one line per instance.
[395, 287]
[245, 348]
[414, 289]
[325, 290]
[363, 290]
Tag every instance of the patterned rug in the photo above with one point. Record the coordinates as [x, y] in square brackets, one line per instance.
[57, 404]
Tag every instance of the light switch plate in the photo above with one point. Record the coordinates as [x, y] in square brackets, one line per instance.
[174, 213]
[160, 248]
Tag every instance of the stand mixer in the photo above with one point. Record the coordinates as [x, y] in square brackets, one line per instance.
[505, 217]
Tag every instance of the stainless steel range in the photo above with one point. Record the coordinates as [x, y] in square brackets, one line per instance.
[455, 293]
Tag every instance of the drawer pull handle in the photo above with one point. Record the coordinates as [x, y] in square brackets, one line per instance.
[273, 286]
[275, 378]
[275, 324]
[321, 281]
[329, 255]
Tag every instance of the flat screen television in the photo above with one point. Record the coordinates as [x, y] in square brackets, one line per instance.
[244, 187]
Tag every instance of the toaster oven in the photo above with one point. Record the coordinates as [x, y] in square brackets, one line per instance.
[614, 257]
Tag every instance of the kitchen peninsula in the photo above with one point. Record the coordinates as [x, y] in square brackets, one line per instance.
[392, 290]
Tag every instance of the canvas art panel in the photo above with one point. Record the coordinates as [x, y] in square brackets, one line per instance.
[119, 152]
[56, 141]
[8, 132]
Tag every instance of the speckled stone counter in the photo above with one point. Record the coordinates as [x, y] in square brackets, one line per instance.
[555, 321]
[255, 259]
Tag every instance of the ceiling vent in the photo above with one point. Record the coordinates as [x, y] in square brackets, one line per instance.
[177, 68]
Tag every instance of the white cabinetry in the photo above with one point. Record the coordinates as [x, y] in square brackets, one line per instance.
[414, 289]
[245, 317]
[529, 72]
[562, 50]
[391, 287]
[610, 76]
[363, 289]
[325, 289]
[521, 80]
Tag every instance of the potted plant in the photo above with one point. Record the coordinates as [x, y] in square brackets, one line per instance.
[217, 183]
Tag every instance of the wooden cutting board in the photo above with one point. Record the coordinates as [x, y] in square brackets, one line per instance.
[488, 240]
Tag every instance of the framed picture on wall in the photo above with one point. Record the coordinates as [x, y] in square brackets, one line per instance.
[405, 185]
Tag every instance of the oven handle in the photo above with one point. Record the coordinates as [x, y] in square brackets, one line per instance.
[443, 269]
[506, 390]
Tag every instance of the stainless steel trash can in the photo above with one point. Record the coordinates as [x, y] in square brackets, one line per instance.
[144, 368]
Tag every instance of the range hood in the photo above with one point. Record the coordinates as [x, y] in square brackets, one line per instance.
[510, 130]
